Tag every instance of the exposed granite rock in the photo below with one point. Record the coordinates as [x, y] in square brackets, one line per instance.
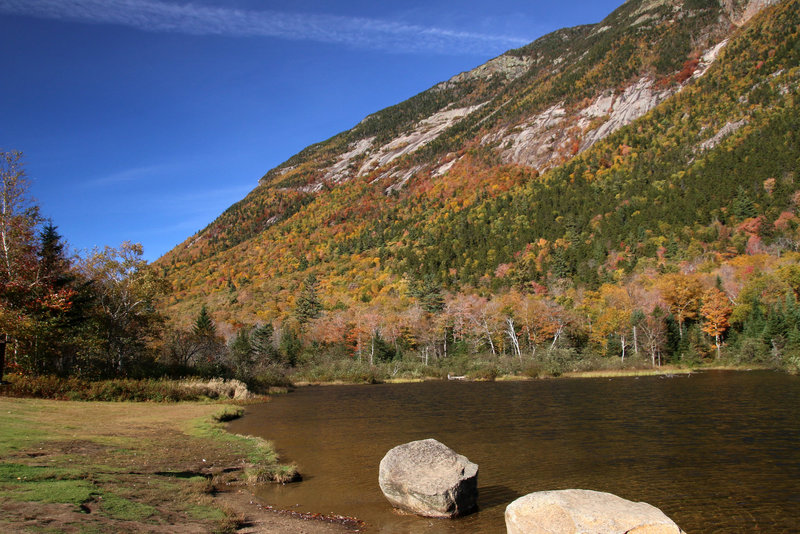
[740, 11]
[584, 512]
[430, 479]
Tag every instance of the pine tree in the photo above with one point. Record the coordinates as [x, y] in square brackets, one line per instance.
[308, 306]
[204, 326]
[262, 342]
[429, 294]
[261, 339]
[743, 206]
[241, 353]
[53, 263]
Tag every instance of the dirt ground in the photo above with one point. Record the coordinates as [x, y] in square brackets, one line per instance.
[131, 467]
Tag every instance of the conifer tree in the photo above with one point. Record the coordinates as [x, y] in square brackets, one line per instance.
[308, 305]
[241, 353]
[261, 340]
[743, 206]
[429, 294]
[204, 326]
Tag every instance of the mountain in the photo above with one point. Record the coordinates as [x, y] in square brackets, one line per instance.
[662, 139]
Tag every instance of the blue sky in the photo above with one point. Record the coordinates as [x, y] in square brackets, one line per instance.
[143, 120]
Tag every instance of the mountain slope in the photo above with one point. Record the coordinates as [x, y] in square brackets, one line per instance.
[572, 160]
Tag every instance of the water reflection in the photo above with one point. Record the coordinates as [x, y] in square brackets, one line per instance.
[718, 452]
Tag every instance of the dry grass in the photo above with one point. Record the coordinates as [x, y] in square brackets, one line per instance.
[613, 373]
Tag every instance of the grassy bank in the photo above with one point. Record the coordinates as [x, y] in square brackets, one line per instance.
[123, 467]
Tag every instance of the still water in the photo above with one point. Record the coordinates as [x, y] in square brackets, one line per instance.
[716, 451]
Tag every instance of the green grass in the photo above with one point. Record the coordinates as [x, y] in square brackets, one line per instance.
[118, 507]
[17, 434]
[259, 452]
[208, 513]
[228, 413]
[45, 484]
[74, 492]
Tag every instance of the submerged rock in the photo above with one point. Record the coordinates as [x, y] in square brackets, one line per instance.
[428, 478]
[584, 511]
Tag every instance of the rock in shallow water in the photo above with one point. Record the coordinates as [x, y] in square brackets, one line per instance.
[428, 478]
[586, 512]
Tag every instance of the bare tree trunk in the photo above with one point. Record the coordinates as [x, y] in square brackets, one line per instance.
[622, 339]
[489, 337]
[635, 342]
[372, 351]
[513, 336]
[556, 336]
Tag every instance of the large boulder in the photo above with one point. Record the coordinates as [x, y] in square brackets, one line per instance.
[585, 512]
[428, 478]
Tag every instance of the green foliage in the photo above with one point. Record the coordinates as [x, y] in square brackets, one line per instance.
[241, 355]
[262, 343]
[429, 294]
[203, 325]
[290, 346]
[308, 305]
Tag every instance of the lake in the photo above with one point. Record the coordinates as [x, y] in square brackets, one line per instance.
[716, 451]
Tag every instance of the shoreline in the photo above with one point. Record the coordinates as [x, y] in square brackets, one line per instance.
[666, 370]
[76, 466]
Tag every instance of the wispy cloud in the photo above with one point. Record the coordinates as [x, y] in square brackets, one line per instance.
[188, 18]
[137, 174]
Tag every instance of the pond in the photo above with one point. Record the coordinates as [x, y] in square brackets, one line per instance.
[716, 451]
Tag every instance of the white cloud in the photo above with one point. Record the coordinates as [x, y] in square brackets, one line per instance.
[137, 174]
[188, 18]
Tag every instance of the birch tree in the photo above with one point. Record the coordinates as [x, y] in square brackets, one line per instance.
[126, 289]
[19, 216]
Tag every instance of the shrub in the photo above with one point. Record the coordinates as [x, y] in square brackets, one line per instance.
[52, 387]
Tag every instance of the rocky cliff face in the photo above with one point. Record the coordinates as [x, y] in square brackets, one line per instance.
[741, 11]
[557, 126]
[533, 109]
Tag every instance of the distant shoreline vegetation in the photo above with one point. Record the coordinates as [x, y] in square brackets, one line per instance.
[96, 319]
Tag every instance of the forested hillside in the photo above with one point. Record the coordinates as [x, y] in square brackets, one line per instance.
[627, 188]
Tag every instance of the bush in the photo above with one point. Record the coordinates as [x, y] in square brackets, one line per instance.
[341, 370]
[269, 377]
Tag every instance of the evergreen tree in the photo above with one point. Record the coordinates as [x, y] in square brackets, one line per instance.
[53, 263]
[58, 331]
[308, 306]
[241, 354]
[261, 339]
[429, 294]
[290, 346]
[743, 206]
[204, 326]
